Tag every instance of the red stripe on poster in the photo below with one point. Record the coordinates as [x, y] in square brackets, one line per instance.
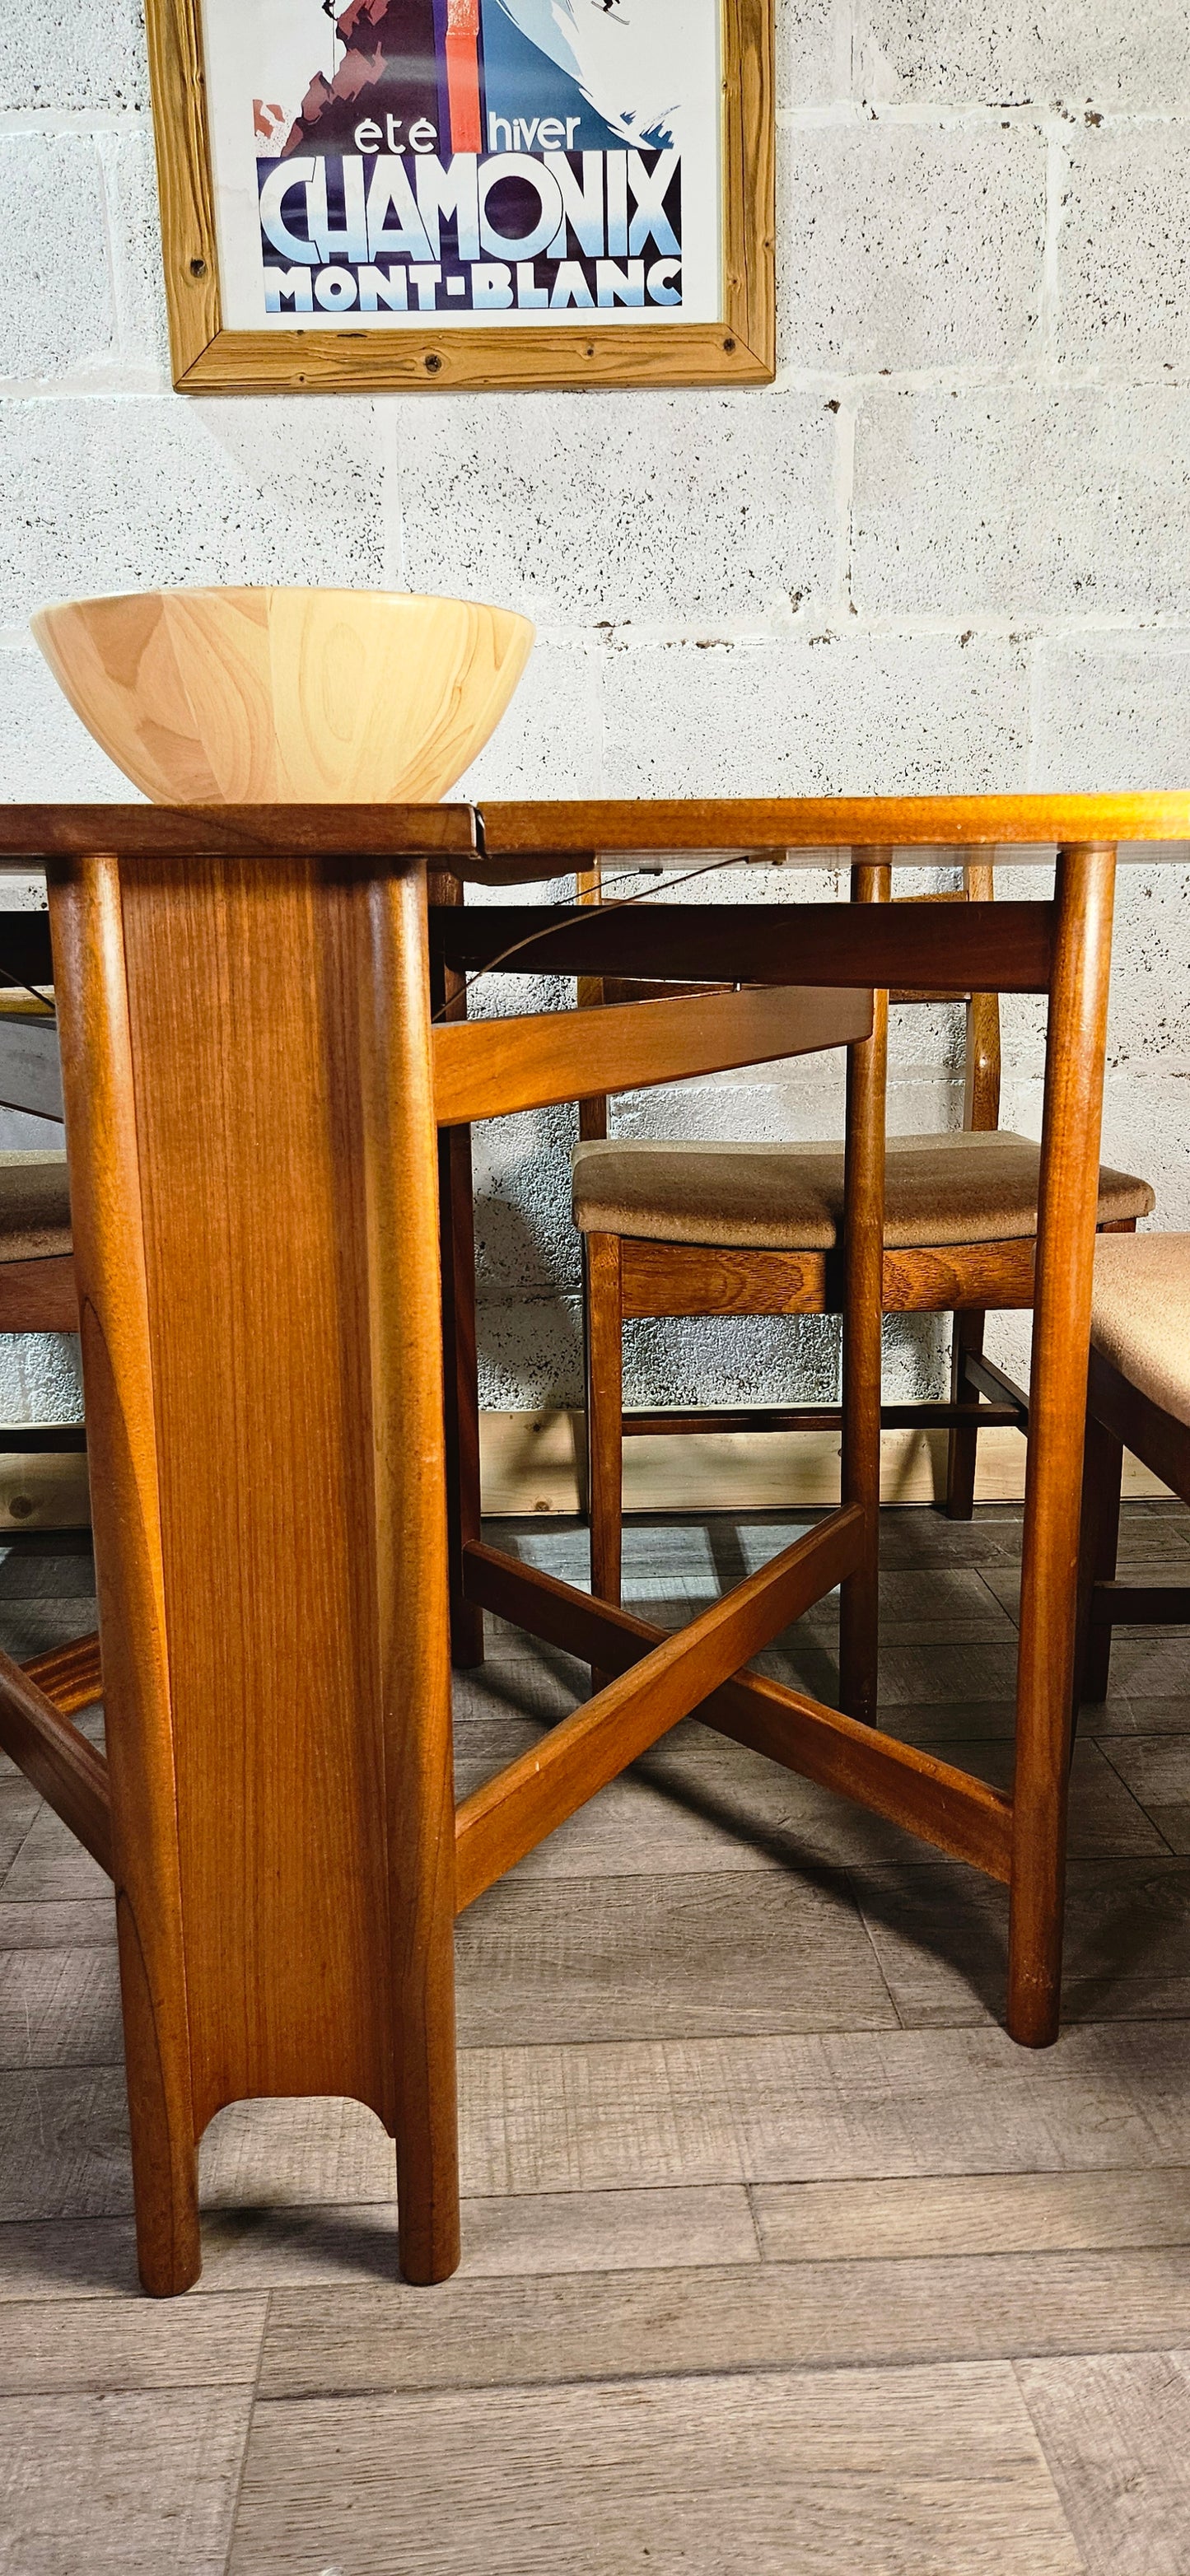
[462, 75]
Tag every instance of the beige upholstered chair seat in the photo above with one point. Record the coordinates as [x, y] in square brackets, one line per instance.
[964, 1188]
[1140, 1319]
[34, 1207]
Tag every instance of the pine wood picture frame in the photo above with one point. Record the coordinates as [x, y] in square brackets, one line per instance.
[208, 356]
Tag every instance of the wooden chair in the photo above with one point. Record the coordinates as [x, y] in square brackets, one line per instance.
[1138, 1398]
[677, 1229]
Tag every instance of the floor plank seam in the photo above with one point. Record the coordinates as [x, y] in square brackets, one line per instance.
[988, 2025]
[754, 2215]
[1103, 1746]
[1052, 2466]
[253, 2403]
[856, 1899]
[887, 2363]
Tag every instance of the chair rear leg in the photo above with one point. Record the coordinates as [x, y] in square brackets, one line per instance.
[863, 1236]
[1103, 1469]
[605, 1412]
[448, 988]
[962, 1447]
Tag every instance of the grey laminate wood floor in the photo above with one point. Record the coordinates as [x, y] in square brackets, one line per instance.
[779, 2256]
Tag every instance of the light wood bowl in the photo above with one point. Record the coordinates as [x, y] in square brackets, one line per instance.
[246, 697]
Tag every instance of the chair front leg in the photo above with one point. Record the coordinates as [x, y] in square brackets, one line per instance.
[963, 1444]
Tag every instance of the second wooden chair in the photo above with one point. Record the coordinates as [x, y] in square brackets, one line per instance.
[1138, 1397]
[672, 1229]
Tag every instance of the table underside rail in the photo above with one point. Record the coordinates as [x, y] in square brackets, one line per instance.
[975, 947]
[948, 1808]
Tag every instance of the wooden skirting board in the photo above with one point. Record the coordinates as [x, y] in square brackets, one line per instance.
[45, 1492]
[529, 1464]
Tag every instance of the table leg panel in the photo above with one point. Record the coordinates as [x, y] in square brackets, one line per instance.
[283, 1147]
[246, 1071]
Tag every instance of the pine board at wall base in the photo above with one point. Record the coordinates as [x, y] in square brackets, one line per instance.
[529, 1464]
[44, 1492]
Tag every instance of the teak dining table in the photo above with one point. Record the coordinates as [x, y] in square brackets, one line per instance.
[262, 1048]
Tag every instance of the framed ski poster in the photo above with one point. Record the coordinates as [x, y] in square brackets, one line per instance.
[465, 193]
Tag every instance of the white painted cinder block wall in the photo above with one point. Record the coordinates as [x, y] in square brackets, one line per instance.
[949, 549]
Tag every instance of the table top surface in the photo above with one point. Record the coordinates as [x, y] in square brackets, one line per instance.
[817, 831]
[508, 842]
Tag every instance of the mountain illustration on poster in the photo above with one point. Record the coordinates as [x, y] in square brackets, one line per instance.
[618, 59]
[522, 83]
